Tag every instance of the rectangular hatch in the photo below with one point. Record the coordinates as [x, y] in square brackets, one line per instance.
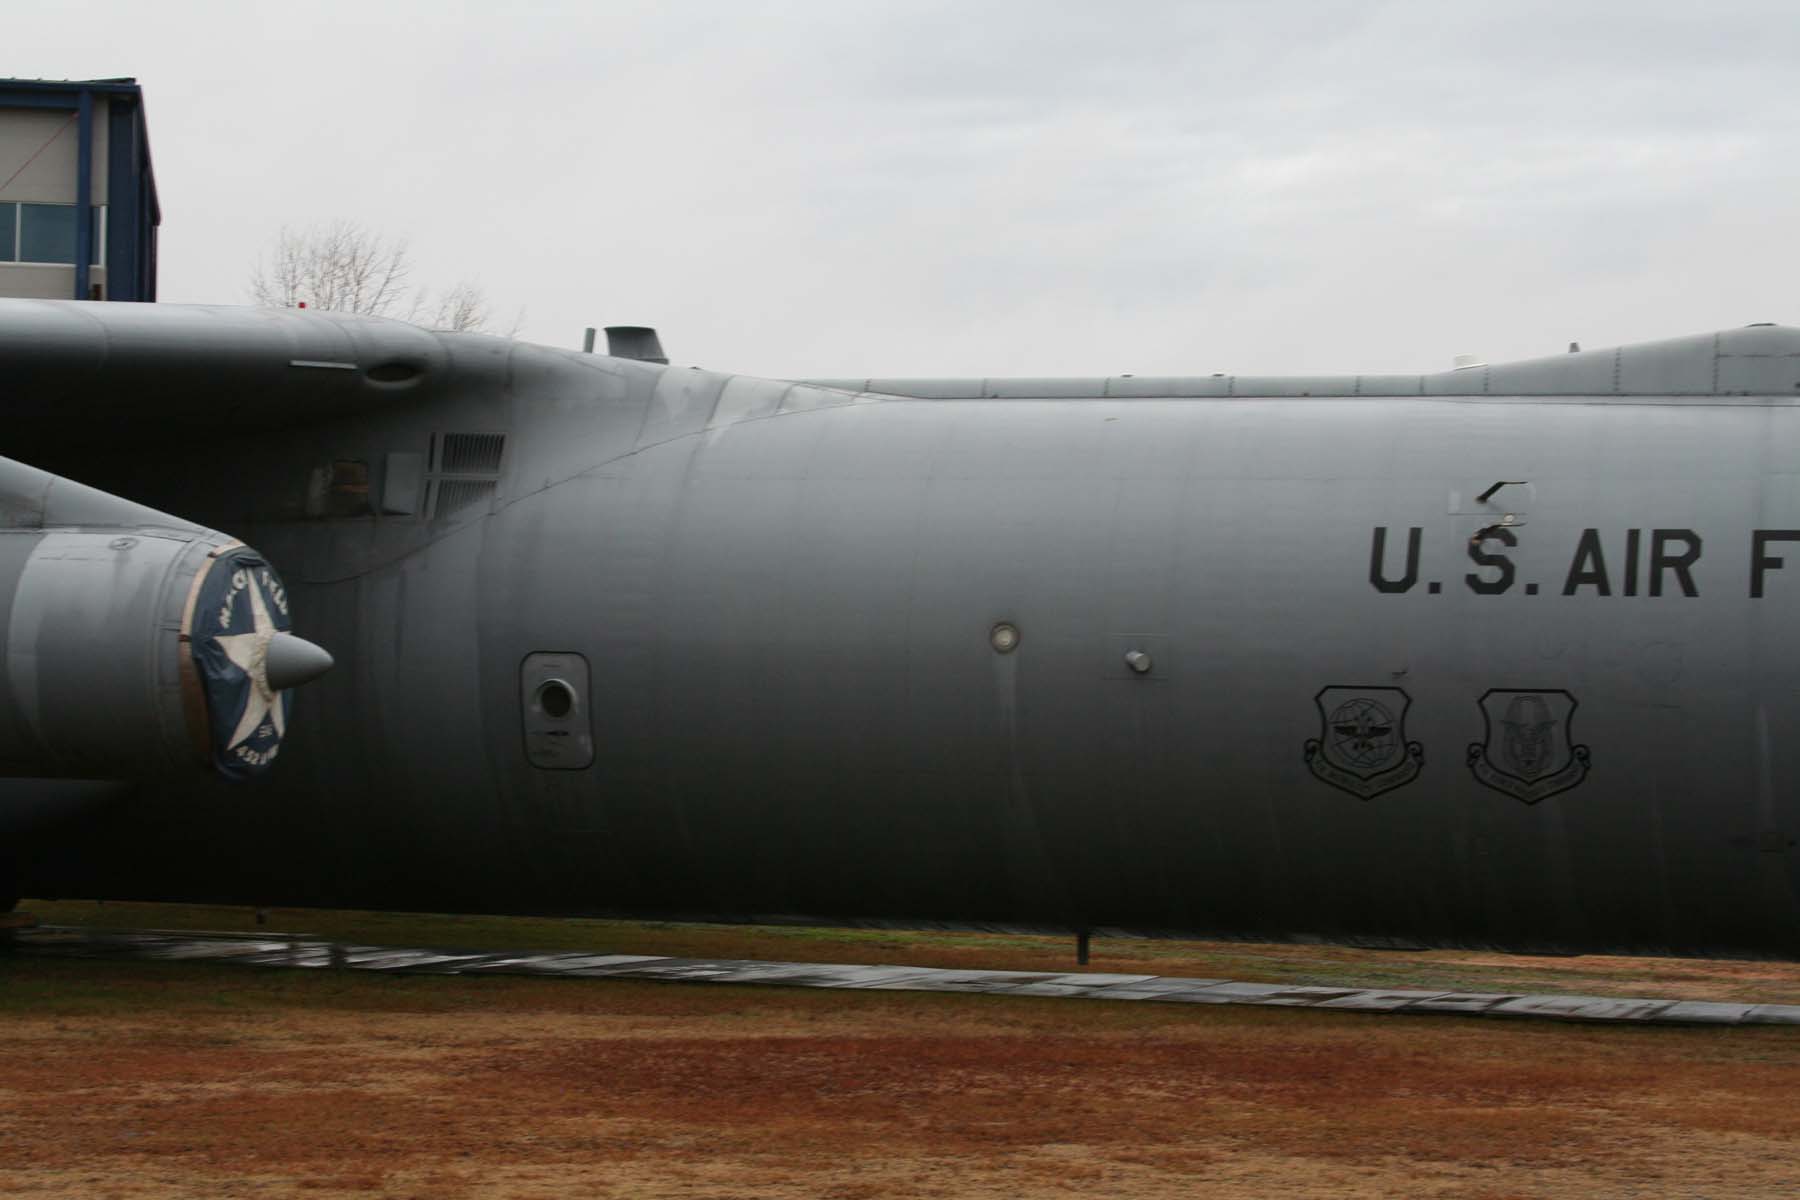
[553, 695]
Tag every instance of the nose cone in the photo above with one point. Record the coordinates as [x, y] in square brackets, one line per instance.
[293, 661]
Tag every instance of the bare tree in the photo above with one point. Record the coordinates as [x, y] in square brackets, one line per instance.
[337, 267]
[341, 266]
[463, 308]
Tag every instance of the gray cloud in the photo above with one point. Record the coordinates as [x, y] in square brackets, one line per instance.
[1001, 187]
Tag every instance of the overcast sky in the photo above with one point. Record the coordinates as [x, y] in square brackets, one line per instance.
[974, 187]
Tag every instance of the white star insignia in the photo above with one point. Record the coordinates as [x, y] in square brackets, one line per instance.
[250, 653]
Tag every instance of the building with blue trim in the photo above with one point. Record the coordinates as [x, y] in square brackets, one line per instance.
[67, 148]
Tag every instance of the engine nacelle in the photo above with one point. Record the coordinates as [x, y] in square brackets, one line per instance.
[135, 643]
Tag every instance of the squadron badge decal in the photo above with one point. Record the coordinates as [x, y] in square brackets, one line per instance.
[1362, 747]
[1528, 753]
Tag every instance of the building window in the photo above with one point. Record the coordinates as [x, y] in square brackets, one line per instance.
[45, 233]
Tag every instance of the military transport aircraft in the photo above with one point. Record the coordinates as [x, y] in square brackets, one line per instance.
[1503, 656]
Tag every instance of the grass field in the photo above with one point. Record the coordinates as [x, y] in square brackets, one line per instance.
[139, 1079]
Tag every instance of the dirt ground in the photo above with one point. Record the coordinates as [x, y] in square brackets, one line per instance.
[159, 1080]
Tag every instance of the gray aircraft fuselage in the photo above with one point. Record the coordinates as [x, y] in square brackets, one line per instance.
[1466, 660]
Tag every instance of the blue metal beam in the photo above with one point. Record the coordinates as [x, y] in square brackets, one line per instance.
[63, 101]
[84, 193]
[67, 88]
[126, 205]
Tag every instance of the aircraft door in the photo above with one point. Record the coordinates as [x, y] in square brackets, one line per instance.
[558, 725]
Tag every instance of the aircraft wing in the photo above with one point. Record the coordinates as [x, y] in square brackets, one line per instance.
[83, 368]
[134, 642]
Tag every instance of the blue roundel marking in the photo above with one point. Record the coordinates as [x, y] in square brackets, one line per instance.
[241, 605]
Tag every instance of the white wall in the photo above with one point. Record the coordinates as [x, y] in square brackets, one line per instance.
[50, 179]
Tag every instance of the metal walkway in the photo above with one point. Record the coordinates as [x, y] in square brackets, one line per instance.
[279, 950]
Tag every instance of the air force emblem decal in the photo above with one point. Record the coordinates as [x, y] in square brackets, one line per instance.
[1362, 747]
[240, 605]
[1528, 753]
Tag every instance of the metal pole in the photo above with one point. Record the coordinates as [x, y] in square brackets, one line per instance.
[587, 340]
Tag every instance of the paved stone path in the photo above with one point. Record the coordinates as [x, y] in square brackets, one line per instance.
[280, 950]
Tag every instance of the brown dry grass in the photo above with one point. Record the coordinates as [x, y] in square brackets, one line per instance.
[148, 1080]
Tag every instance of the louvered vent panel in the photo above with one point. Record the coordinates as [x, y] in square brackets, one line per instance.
[471, 453]
[453, 495]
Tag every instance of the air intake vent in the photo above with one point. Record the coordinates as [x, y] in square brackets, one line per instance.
[465, 472]
[470, 453]
[454, 495]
